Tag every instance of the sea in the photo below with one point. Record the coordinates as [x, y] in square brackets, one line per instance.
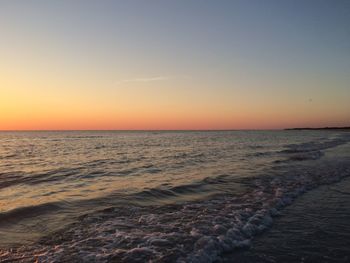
[175, 196]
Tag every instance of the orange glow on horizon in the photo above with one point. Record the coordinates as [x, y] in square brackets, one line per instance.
[76, 121]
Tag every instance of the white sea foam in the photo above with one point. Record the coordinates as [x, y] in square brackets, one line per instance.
[191, 232]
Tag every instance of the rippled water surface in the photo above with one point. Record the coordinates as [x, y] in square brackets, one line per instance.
[161, 196]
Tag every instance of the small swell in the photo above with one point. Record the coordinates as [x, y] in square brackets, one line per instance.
[315, 146]
[21, 213]
[154, 194]
[8, 156]
[19, 177]
[310, 150]
[197, 188]
[11, 178]
[302, 156]
[260, 154]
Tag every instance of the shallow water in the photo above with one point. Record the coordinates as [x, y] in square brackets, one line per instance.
[161, 196]
[314, 229]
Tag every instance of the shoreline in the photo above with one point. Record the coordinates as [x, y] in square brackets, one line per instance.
[323, 211]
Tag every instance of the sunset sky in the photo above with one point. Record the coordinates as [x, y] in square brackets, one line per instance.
[180, 64]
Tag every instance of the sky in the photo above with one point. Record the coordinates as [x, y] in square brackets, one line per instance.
[184, 64]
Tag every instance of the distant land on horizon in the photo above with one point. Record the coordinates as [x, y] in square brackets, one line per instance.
[320, 128]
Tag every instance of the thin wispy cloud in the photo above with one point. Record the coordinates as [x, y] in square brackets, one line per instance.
[145, 79]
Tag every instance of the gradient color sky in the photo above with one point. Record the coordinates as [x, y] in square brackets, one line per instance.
[180, 64]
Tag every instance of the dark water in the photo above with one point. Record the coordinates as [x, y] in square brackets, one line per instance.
[315, 228]
[159, 196]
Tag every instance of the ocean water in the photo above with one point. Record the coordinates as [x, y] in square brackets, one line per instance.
[104, 196]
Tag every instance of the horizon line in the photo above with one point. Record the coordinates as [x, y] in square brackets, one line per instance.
[155, 130]
[170, 130]
[160, 130]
